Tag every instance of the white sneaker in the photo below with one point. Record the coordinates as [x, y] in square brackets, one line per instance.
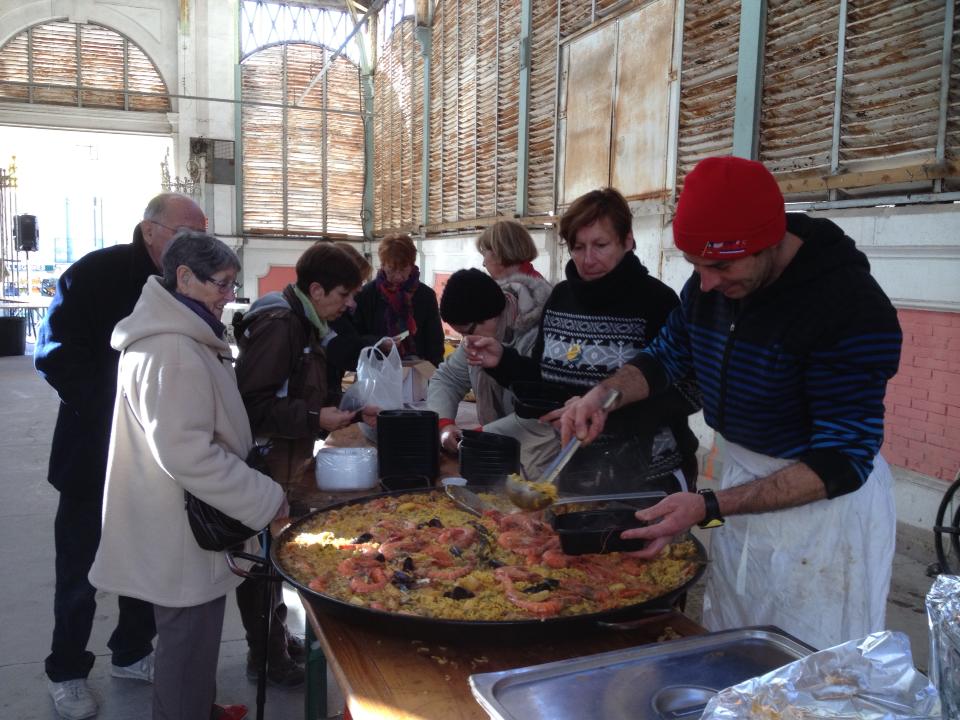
[140, 670]
[72, 699]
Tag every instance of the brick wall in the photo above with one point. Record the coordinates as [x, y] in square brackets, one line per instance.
[922, 427]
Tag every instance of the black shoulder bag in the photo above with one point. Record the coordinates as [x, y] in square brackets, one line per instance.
[213, 529]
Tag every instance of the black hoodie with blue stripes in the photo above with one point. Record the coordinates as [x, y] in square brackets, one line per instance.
[797, 369]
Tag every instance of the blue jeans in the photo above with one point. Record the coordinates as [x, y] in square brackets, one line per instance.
[77, 535]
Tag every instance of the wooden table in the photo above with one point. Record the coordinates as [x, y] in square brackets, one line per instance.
[384, 675]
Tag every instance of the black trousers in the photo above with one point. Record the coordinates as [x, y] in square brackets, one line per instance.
[77, 535]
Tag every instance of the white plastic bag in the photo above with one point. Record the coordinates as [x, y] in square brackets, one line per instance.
[379, 380]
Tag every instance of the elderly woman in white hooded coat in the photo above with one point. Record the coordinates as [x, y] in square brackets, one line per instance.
[179, 424]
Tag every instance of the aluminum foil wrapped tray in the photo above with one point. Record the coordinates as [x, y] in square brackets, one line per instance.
[868, 679]
[943, 615]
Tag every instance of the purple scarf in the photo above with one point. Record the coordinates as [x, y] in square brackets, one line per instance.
[201, 310]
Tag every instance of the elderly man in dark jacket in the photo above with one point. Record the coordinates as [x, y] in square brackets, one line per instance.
[73, 354]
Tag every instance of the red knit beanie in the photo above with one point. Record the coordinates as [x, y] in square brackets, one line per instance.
[729, 208]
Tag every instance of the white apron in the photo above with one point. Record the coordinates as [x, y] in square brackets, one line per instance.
[820, 571]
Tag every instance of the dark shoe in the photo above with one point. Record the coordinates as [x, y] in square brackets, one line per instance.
[282, 672]
[296, 648]
[228, 712]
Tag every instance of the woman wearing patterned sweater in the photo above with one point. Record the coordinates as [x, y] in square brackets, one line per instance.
[608, 310]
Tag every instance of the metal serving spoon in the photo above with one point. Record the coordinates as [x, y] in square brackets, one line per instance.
[542, 494]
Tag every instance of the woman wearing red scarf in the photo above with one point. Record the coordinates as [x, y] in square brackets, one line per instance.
[395, 300]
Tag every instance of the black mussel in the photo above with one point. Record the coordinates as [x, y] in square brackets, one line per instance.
[479, 527]
[458, 593]
[435, 523]
[494, 563]
[455, 551]
[379, 557]
[403, 580]
[548, 584]
[362, 538]
[408, 564]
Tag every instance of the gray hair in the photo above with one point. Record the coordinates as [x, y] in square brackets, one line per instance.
[158, 204]
[203, 253]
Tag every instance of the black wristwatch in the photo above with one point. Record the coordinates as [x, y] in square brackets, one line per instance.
[713, 518]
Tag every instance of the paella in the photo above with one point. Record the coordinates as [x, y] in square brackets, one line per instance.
[420, 555]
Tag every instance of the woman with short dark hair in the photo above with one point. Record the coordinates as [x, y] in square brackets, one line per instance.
[282, 372]
[179, 424]
[396, 301]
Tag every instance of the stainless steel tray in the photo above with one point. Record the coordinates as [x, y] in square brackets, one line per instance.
[664, 681]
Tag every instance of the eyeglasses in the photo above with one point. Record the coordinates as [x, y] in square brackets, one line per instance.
[471, 328]
[224, 286]
[175, 230]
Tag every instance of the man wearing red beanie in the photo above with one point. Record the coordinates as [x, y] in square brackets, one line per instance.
[792, 342]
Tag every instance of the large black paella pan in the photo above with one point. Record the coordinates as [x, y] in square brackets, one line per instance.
[405, 574]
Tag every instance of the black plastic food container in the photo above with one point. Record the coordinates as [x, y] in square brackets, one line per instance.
[597, 529]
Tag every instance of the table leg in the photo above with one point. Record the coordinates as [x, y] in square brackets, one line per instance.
[315, 697]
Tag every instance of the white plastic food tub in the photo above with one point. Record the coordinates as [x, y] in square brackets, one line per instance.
[346, 468]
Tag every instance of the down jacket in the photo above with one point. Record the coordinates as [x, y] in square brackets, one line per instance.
[179, 423]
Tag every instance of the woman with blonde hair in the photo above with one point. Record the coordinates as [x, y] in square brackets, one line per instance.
[396, 301]
[508, 253]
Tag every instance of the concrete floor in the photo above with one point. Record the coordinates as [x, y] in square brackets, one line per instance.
[28, 505]
[27, 508]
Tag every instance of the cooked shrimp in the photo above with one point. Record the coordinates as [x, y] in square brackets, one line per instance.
[462, 537]
[376, 579]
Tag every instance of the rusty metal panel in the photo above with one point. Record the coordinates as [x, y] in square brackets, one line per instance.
[261, 77]
[436, 191]
[641, 110]
[889, 108]
[15, 67]
[953, 105]
[590, 90]
[344, 152]
[467, 108]
[487, 80]
[574, 15]
[708, 81]
[295, 181]
[799, 84]
[542, 108]
[450, 74]
[508, 105]
[891, 82]
[413, 67]
[398, 120]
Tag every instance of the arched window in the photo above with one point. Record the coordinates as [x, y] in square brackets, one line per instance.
[83, 65]
[303, 147]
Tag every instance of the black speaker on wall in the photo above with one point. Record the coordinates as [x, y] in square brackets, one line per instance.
[26, 232]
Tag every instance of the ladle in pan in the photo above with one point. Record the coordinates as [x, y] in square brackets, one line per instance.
[539, 495]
